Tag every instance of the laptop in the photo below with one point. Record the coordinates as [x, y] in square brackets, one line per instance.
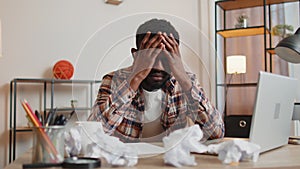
[271, 120]
[273, 109]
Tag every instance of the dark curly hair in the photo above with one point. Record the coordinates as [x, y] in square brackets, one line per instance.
[155, 26]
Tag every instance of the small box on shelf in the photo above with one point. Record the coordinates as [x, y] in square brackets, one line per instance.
[114, 2]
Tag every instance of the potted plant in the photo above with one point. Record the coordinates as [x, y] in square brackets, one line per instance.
[242, 21]
[282, 30]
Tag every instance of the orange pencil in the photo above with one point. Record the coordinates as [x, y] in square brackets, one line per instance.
[49, 145]
[32, 112]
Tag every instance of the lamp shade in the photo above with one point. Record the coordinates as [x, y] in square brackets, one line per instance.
[236, 64]
[289, 48]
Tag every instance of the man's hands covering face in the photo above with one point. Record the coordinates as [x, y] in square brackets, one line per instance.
[146, 56]
[173, 57]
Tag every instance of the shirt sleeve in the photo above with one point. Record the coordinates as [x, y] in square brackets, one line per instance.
[204, 113]
[112, 100]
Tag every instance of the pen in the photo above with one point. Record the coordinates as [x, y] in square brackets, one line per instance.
[70, 115]
[50, 117]
[38, 115]
[60, 120]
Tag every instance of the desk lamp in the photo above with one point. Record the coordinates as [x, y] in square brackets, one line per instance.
[289, 48]
[236, 64]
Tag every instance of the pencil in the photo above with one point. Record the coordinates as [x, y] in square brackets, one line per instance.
[49, 145]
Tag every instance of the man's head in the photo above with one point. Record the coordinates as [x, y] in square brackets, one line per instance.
[160, 71]
[155, 26]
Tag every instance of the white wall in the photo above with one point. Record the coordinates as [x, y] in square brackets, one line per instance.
[96, 37]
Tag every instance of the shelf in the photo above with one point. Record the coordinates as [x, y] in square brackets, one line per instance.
[250, 31]
[225, 12]
[238, 84]
[70, 108]
[46, 82]
[271, 51]
[33, 80]
[240, 4]
[22, 129]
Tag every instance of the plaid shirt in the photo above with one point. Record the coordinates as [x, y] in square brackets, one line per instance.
[121, 110]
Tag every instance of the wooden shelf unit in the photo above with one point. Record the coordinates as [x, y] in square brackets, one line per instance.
[241, 4]
[224, 32]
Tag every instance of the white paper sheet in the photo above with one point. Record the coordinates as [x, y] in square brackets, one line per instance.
[146, 149]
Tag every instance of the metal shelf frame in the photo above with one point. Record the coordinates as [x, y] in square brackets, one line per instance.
[222, 33]
[45, 82]
[228, 5]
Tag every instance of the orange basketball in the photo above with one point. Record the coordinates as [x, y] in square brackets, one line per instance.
[63, 69]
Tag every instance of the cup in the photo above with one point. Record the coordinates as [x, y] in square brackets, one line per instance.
[48, 144]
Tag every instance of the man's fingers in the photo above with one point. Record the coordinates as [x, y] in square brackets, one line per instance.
[175, 44]
[168, 45]
[156, 51]
[173, 39]
[155, 41]
[171, 43]
[148, 56]
[145, 40]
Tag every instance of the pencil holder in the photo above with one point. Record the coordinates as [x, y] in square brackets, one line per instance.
[48, 144]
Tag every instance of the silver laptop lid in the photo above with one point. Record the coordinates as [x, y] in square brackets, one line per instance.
[271, 121]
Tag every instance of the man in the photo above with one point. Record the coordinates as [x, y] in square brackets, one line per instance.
[155, 95]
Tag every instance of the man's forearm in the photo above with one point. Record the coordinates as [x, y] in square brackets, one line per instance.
[184, 81]
[203, 112]
[134, 81]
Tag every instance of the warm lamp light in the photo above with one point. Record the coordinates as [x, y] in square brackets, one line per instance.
[236, 64]
[289, 48]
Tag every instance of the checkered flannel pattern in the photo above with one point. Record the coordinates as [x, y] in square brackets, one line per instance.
[121, 110]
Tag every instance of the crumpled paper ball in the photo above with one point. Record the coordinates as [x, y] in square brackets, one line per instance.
[95, 143]
[179, 145]
[73, 142]
[234, 151]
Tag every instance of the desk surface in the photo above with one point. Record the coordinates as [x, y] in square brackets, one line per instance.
[287, 157]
